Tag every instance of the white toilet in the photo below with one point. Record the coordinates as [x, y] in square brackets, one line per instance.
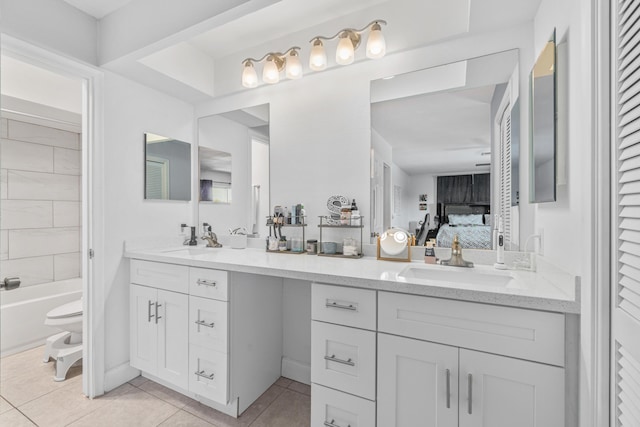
[66, 347]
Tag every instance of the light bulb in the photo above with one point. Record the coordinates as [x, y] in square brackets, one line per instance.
[376, 46]
[270, 73]
[294, 66]
[344, 52]
[249, 75]
[318, 57]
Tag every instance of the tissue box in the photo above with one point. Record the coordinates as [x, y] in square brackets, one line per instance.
[238, 241]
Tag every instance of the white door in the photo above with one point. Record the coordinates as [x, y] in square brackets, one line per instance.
[498, 391]
[417, 383]
[625, 298]
[143, 339]
[173, 337]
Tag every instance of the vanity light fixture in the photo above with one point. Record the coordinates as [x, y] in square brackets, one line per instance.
[349, 41]
[275, 62]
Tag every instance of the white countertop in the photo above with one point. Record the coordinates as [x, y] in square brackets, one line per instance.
[546, 289]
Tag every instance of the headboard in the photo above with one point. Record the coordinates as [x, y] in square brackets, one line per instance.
[461, 209]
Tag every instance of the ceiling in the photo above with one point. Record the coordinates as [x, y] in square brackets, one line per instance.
[98, 8]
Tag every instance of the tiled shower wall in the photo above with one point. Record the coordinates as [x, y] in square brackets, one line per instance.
[40, 207]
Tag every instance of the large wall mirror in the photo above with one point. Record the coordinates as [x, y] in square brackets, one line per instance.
[233, 181]
[445, 151]
[543, 111]
[167, 168]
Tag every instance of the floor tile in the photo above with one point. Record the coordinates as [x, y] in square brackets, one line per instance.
[133, 408]
[66, 405]
[185, 419]
[161, 392]
[4, 406]
[14, 418]
[290, 409]
[137, 381]
[247, 417]
[23, 377]
[283, 382]
[300, 388]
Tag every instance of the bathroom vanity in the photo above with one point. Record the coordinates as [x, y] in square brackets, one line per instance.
[391, 343]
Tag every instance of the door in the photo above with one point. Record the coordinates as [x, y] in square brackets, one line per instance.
[417, 383]
[625, 298]
[172, 318]
[144, 342]
[498, 391]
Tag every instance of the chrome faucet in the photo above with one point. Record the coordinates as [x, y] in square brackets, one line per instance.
[211, 238]
[456, 256]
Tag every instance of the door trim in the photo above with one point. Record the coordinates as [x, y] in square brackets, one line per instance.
[92, 196]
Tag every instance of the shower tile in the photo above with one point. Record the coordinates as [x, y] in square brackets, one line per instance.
[3, 128]
[42, 186]
[31, 271]
[67, 161]
[25, 156]
[15, 214]
[3, 184]
[46, 241]
[4, 244]
[66, 266]
[28, 132]
[66, 214]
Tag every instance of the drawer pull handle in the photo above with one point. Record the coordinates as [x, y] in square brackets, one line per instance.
[341, 306]
[332, 423]
[470, 386]
[149, 315]
[158, 317]
[333, 358]
[203, 323]
[203, 375]
[448, 375]
[204, 282]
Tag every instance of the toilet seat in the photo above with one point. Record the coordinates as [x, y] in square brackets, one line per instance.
[71, 309]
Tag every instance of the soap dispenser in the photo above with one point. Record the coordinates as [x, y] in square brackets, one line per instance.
[500, 265]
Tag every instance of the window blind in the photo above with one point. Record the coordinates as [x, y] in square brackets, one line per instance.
[505, 173]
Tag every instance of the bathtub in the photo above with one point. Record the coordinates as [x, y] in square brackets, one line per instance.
[23, 311]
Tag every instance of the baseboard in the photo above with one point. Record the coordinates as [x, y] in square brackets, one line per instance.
[296, 371]
[119, 375]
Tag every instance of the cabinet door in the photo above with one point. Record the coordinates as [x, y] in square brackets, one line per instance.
[498, 391]
[143, 337]
[173, 338]
[417, 383]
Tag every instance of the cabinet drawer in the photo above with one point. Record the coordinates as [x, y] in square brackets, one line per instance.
[208, 323]
[208, 374]
[344, 358]
[525, 334]
[344, 306]
[170, 277]
[208, 283]
[333, 408]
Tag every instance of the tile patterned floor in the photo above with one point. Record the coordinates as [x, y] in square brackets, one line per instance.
[30, 397]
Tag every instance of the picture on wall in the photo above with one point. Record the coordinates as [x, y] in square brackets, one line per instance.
[422, 206]
[422, 198]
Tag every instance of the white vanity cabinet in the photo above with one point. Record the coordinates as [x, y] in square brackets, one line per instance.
[213, 335]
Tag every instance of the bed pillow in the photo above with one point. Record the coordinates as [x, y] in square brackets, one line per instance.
[465, 219]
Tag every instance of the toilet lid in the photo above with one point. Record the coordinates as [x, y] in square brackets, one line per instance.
[67, 310]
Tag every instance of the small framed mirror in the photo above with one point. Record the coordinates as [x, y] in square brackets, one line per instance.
[543, 147]
[215, 175]
[167, 168]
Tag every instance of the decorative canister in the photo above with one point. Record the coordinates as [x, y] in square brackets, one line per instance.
[312, 246]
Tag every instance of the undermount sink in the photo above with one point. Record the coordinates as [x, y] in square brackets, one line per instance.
[459, 275]
[189, 251]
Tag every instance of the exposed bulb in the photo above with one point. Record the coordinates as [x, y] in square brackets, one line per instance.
[318, 57]
[270, 73]
[376, 45]
[294, 66]
[344, 52]
[249, 75]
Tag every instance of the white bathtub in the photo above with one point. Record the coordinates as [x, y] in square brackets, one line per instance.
[23, 311]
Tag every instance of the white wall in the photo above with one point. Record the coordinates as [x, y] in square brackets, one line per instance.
[400, 215]
[226, 135]
[54, 25]
[130, 110]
